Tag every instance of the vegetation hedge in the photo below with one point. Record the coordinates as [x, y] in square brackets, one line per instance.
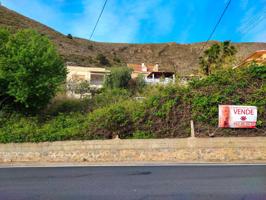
[229, 87]
[165, 111]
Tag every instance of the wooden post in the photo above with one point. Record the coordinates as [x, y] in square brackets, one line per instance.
[192, 129]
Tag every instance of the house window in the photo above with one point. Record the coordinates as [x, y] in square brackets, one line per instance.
[97, 79]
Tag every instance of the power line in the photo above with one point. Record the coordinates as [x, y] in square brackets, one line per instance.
[220, 19]
[98, 19]
[216, 25]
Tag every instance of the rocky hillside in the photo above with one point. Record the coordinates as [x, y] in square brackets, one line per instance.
[182, 58]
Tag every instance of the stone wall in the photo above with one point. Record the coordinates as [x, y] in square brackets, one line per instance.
[185, 150]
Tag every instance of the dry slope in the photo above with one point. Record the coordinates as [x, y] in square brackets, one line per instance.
[182, 58]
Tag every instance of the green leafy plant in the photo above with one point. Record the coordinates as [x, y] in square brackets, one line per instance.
[30, 70]
[142, 135]
[102, 60]
[218, 56]
[118, 78]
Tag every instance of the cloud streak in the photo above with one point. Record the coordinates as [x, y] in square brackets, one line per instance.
[252, 26]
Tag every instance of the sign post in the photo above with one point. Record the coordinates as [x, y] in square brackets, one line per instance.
[232, 116]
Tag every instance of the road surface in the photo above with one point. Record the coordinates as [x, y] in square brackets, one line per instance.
[142, 183]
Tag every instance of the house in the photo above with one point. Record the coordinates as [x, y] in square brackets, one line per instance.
[151, 73]
[258, 57]
[94, 76]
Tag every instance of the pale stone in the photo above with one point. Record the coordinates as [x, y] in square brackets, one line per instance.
[157, 150]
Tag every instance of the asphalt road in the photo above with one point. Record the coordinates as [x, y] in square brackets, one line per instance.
[142, 183]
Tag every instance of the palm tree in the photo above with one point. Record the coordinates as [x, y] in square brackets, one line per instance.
[228, 52]
[216, 57]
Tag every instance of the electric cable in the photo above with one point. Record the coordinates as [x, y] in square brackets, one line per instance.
[98, 19]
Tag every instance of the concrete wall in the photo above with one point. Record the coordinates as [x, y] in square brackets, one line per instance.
[78, 73]
[152, 150]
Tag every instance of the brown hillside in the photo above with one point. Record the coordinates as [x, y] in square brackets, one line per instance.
[182, 58]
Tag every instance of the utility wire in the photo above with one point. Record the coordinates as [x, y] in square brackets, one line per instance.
[216, 25]
[98, 19]
[220, 19]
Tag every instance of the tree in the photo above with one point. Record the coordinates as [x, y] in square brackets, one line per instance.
[220, 55]
[137, 84]
[228, 53]
[118, 78]
[102, 60]
[69, 36]
[79, 87]
[30, 70]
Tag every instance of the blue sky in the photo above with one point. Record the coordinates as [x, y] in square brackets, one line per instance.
[150, 21]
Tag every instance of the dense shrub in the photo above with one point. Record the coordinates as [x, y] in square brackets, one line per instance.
[142, 135]
[19, 129]
[67, 105]
[118, 78]
[165, 111]
[29, 129]
[109, 96]
[109, 121]
[31, 70]
[64, 127]
[138, 85]
[102, 60]
[69, 36]
[229, 87]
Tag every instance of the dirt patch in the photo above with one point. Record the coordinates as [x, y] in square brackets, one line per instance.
[203, 130]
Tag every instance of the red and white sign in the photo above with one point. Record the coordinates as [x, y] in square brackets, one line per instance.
[231, 116]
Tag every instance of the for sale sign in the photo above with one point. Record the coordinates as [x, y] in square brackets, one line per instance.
[231, 116]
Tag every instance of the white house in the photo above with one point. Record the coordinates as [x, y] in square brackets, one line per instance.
[95, 76]
[152, 74]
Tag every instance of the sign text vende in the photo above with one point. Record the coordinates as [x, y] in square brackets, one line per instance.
[233, 116]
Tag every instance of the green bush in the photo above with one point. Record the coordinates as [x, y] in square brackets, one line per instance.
[102, 60]
[31, 70]
[163, 100]
[29, 129]
[142, 135]
[137, 110]
[109, 96]
[69, 36]
[19, 129]
[111, 121]
[118, 78]
[243, 86]
[67, 105]
[164, 111]
[64, 127]
[138, 85]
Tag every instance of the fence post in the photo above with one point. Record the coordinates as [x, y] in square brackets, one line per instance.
[192, 129]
